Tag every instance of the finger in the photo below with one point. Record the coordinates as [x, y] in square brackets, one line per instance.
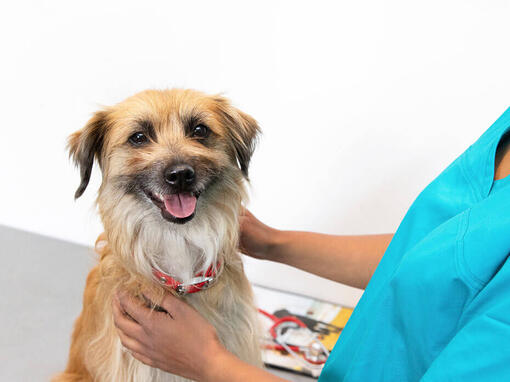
[157, 309]
[134, 308]
[101, 243]
[101, 237]
[170, 303]
[126, 325]
[130, 343]
[142, 358]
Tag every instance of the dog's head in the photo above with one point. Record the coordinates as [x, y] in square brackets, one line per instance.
[170, 152]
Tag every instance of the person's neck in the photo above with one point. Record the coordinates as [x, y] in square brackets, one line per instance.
[502, 164]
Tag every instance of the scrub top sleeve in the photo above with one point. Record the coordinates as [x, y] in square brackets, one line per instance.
[480, 351]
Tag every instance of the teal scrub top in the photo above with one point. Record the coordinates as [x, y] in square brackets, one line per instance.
[438, 305]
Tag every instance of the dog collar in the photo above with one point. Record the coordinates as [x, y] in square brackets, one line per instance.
[201, 281]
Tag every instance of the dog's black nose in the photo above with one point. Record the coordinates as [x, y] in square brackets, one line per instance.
[180, 175]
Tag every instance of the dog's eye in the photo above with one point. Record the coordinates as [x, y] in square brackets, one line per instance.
[138, 139]
[200, 131]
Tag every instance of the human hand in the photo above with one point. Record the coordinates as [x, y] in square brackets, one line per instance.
[180, 342]
[256, 238]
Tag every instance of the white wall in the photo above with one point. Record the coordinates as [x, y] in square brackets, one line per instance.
[361, 103]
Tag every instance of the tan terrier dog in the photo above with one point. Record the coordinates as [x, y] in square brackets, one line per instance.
[174, 166]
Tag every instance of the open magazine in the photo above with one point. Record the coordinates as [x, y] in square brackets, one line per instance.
[299, 331]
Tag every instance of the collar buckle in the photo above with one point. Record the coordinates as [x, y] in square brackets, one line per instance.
[200, 282]
[180, 290]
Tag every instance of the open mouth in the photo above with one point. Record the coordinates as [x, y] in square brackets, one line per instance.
[176, 208]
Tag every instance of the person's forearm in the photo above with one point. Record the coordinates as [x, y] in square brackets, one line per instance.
[349, 260]
[229, 368]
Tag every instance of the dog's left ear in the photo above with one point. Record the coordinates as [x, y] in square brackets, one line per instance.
[242, 130]
[86, 144]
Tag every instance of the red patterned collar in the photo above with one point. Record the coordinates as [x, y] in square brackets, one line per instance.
[201, 281]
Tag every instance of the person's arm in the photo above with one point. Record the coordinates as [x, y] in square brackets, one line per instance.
[349, 260]
[229, 368]
[181, 342]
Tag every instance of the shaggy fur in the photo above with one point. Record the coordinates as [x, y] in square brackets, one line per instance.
[140, 237]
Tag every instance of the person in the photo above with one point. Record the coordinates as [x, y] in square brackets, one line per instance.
[437, 300]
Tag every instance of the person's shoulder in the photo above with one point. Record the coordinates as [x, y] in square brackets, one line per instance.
[486, 242]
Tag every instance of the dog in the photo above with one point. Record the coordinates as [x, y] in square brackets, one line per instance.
[174, 169]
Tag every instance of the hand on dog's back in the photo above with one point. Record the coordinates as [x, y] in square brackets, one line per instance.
[255, 236]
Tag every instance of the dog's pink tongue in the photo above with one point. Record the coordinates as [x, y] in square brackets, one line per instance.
[180, 205]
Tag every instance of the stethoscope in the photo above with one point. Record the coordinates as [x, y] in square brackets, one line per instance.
[311, 356]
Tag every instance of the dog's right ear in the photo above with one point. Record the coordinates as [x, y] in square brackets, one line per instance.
[86, 144]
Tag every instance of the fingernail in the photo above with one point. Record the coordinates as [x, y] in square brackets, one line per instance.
[101, 244]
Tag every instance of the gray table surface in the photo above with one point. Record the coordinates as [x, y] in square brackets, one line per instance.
[42, 280]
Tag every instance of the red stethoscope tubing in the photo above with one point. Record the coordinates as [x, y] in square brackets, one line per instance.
[276, 322]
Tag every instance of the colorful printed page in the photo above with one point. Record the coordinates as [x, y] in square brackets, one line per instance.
[323, 321]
